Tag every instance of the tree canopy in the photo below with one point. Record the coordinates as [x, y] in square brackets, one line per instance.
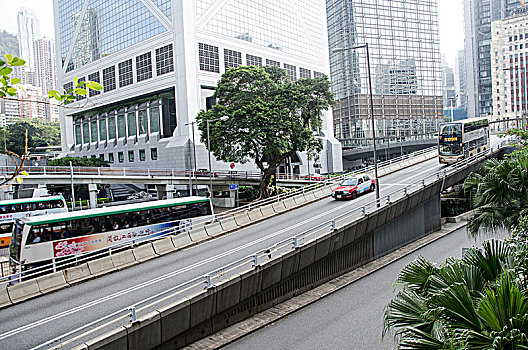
[40, 134]
[79, 161]
[261, 115]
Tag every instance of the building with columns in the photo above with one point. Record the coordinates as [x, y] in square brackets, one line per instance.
[159, 62]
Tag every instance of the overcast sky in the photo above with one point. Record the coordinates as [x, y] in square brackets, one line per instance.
[450, 12]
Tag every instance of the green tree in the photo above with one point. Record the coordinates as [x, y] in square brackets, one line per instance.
[40, 134]
[262, 116]
[478, 302]
[79, 161]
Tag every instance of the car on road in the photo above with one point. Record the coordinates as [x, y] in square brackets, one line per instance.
[316, 177]
[353, 186]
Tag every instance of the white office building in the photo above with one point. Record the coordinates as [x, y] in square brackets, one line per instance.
[159, 62]
[28, 31]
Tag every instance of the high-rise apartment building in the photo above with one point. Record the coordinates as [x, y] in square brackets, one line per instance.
[28, 31]
[404, 45]
[460, 80]
[448, 85]
[478, 16]
[509, 58]
[45, 63]
[159, 62]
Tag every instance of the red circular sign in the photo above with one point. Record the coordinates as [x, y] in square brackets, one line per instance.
[232, 165]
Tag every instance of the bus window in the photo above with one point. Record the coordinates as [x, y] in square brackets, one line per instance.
[450, 129]
[6, 228]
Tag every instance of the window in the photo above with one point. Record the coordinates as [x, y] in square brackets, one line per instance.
[86, 132]
[109, 82]
[121, 126]
[78, 134]
[318, 75]
[253, 60]
[210, 102]
[102, 129]
[305, 73]
[144, 67]
[154, 153]
[126, 76]
[232, 59]
[111, 127]
[101, 156]
[131, 121]
[81, 97]
[291, 71]
[209, 58]
[120, 157]
[68, 86]
[94, 77]
[131, 156]
[272, 63]
[154, 119]
[142, 122]
[141, 155]
[110, 158]
[93, 129]
[164, 60]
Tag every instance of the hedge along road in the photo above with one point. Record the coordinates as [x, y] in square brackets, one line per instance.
[44, 318]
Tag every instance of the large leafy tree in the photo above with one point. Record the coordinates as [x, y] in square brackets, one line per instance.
[40, 134]
[261, 115]
[479, 302]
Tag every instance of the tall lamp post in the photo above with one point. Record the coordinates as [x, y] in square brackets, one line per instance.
[209, 150]
[194, 156]
[365, 46]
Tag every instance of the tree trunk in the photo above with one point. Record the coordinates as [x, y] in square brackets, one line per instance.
[268, 178]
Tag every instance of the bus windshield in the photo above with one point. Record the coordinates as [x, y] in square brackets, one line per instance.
[16, 241]
[451, 129]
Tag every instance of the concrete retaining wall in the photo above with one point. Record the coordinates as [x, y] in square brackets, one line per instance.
[276, 280]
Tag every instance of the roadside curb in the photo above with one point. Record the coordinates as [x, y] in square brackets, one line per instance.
[261, 320]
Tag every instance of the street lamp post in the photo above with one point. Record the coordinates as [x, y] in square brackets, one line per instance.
[365, 46]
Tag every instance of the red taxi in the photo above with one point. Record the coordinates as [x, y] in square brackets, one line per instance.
[353, 186]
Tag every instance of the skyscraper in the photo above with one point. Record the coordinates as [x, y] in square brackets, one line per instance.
[28, 31]
[45, 63]
[159, 62]
[448, 85]
[478, 15]
[460, 80]
[403, 39]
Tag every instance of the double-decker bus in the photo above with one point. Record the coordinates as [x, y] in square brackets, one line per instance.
[462, 139]
[10, 210]
[38, 240]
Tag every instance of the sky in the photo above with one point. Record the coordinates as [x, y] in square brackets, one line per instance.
[450, 16]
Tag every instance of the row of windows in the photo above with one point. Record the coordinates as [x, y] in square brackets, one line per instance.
[142, 156]
[209, 60]
[164, 65]
[130, 123]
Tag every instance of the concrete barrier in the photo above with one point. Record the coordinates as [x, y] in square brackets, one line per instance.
[214, 229]
[4, 297]
[77, 273]
[320, 193]
[289, 203]
[267, 210]
[51, 282]
[228, 224]
[309, 196]
[163, 246]
[181, 240]
[23, 290]
[124, 259]
[299, 199]
[145, 333]
[242, 219]
[175, 320]
[278, 207]
[115, 339]
[144, 252]
[101, 266]
[255, 214]
[198, 234]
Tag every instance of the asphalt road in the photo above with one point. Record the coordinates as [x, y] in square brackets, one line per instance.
[39, 320]
[351, 318]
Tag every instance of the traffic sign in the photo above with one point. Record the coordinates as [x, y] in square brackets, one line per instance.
[233, 187]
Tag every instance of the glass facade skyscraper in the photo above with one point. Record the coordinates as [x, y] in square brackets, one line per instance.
[403, 40]
[478, 15]
[159, 62]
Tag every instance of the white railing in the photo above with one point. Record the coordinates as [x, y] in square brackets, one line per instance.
[282, 247]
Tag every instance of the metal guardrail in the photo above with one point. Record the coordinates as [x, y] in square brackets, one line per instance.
[66, 262]
[282, 247]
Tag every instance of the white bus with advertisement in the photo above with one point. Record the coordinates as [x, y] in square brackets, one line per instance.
[462, 139]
